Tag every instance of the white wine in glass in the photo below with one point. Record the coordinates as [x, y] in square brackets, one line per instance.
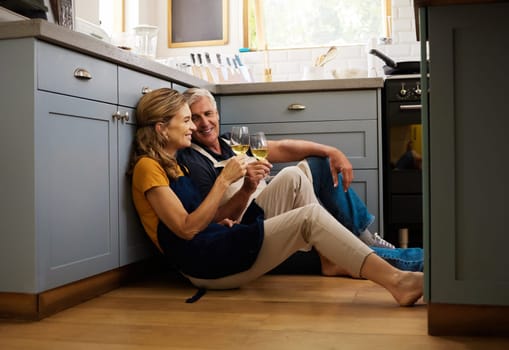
[259, 146]
[239, 138]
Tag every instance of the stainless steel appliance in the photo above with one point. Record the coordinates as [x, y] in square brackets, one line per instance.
[402, 149]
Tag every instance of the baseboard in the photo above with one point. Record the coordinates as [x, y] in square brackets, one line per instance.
[467, 320]
[18, 305]
[26, 306]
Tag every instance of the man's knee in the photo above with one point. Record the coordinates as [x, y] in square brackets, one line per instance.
[297, 177]
[292, 173]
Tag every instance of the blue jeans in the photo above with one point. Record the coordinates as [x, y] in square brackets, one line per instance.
[350, 211]
[346, 207]
[407, 259]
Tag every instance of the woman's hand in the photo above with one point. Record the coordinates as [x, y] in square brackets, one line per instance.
[234, 169]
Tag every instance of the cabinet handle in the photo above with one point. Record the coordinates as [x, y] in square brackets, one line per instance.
[82, 73]
[117, 115]
[145, 90]
[409, 107]
[121, 116]
[296, 107]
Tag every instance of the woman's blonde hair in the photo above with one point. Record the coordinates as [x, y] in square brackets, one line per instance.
[157, 106]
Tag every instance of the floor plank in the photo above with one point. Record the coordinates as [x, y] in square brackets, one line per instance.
[275, 312]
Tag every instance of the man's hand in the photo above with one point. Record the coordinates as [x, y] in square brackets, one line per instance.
[227, 222]
[339, 163]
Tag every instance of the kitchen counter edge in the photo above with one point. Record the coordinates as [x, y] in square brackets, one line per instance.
[83, 43]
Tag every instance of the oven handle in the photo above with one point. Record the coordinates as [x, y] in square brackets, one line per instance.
[409, 107]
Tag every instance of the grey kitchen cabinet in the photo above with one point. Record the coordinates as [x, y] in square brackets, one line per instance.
[131, 86]
[465, 188]
[75, 189]
[68, 124]
[346, 119]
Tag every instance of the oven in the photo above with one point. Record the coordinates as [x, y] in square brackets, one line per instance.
[401, 157]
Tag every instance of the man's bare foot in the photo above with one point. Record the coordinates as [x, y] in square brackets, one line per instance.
[408, 287]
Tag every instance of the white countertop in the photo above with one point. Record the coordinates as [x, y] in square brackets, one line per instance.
[58, 35]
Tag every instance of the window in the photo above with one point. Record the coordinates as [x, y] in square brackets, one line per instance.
[279, 24]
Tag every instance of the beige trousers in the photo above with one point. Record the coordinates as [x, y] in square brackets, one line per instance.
[294, 220]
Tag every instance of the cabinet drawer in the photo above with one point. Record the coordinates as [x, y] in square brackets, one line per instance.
[356, 138]
[132, 85]
[319, 106]
[58, 71]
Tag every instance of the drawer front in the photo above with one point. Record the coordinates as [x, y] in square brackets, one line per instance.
[71, 73]
[132, 85]
[357, 139]
[318, 106]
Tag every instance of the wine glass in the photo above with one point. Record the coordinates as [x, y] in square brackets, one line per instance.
[239, 138]
[258, 144]
[260, 148]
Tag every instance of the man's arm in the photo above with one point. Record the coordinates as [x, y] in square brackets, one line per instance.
[294, 150]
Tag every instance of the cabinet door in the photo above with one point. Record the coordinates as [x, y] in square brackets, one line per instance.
[132, 85]
[365, 184]
[468, 123]
[134, 243]
[76, 188]
[178, 87]
[357, 139]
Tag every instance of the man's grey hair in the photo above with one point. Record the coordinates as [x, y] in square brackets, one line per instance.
[192, 95]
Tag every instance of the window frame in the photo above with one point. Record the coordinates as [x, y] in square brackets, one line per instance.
[387, 25]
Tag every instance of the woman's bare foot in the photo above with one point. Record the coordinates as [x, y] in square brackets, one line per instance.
[407, 287]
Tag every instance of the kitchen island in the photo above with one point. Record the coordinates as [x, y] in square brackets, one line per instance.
[465, 123]
[68, 227]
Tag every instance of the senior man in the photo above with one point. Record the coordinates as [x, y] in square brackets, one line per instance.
[327, 167]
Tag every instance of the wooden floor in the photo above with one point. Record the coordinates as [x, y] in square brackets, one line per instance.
[275, 312]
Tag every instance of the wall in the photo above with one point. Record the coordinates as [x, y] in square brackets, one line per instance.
[290, 64]
[87, 9]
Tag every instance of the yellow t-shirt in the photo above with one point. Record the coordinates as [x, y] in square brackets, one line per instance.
[148, 174]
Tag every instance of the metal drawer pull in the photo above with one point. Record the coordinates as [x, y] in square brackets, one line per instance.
[409, 107]
[296, 107]
[82, 73]
[117, 115]
[120, 116]
[145, 90]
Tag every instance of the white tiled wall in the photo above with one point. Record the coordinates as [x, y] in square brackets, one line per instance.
[351, 61]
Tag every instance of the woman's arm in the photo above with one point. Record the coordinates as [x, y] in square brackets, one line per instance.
[234, 207]
[172, 213]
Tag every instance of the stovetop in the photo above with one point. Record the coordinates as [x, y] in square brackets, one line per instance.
[404, 87]
[402, 76]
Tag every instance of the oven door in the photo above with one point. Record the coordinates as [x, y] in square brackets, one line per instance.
[402, 141]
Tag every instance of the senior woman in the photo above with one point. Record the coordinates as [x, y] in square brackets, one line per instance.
[226, 254]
